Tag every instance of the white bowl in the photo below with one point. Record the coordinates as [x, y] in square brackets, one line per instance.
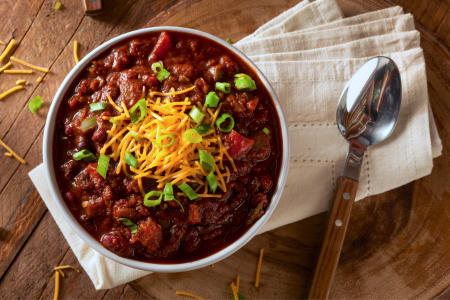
[54, 189]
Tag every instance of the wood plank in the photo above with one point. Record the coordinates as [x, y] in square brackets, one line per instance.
[20, 16]
[40, 49]
[72, 285]
[29, 275]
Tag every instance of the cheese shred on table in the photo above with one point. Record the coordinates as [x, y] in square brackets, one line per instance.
[55, 295]
[158, 143]
[258, 268]
[58, 271]
[11, 151]
[24, 63]
[5, 67]
[75, 51]
[181, 293]
[234, 290]
[18, 72]
[10, 91]
[7, 50]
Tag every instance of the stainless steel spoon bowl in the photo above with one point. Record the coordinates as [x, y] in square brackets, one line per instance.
[366, 115]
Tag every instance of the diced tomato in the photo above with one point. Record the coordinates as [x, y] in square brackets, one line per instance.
[162, 47]
[251, 105]
[73, 101]
[238, 145]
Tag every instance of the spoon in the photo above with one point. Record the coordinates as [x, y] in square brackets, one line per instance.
[366, 115]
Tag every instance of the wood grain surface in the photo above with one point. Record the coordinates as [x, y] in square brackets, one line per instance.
[397, 245]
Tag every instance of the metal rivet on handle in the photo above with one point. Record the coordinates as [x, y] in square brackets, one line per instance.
[338, 223]
[346, 196]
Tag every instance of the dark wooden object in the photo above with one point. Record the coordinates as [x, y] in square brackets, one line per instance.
[397, 244]
[92, 7]
[332, 243]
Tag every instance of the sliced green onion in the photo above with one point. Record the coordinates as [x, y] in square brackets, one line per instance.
[135, 135]
[188, 191]
[157, 66]
[162, 75]
[229, 41]
[130, 224]
[243, 82]
[85, 155]
[206, 160]
[88, 123]
[191, 135]
[266, 130]
[196, 114]
[102, 165]
[212, 182]
[221, 122]
[142, 106]
[203, 128]
[150, 203]
[212, 99]
[35, 104]
[131, 160]
[168, 192]
[161, 138]
[97, 106]
[223, 87]
[58, 5]
[179, 203]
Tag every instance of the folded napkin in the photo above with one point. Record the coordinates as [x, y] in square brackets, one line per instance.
[308, 53]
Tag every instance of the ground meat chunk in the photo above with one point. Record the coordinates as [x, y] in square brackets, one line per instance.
[95, 207]
[149, 235]
[193, 214]
[125, 209]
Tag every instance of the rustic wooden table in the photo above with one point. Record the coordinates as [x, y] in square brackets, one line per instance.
[398, 245]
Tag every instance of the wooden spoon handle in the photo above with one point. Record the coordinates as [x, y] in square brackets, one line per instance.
[334, 238]
[92, 7]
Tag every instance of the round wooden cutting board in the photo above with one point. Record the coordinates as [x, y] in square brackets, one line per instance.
[398, 243]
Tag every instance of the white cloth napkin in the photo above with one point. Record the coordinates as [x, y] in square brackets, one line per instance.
[308, 53]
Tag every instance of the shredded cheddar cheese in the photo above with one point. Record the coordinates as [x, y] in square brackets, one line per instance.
[8, 154]
[21, 81]
[158, 143]
[18, 71]
[234, 290]
[55, 295]
[7, 50]
[181, 293]
[58, 272]
[238, 279]
[37, 68]
[12, 152]
[75, 51]
[258, 268]
[111, 101]
[39, 79]
[2, 42]
[5, 67]
[59, 268]
[10, 91]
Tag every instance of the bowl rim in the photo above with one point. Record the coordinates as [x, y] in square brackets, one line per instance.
[47, 153]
